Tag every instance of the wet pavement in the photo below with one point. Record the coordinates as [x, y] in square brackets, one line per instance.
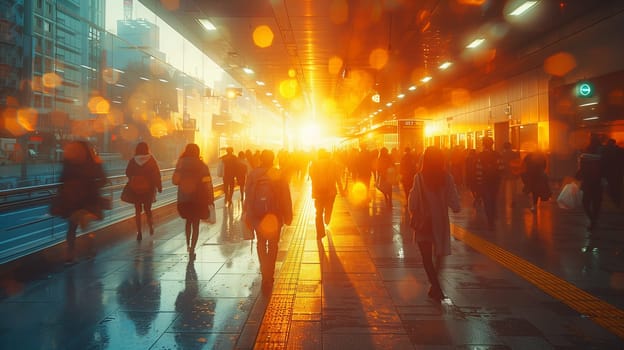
[537, 281]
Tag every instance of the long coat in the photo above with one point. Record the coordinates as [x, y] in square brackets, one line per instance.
[437, 203]
[195, 191]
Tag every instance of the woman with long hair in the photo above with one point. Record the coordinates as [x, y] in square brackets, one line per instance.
[143, 181]
[433, 192]
[195, 193]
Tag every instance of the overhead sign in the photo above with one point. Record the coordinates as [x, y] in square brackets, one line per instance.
[584, 89]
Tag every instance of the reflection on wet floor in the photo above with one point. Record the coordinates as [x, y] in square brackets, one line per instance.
[361, 287]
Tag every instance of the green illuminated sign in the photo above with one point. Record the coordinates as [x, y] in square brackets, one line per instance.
[584, 89]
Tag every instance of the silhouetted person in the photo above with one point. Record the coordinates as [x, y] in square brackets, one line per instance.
[195, 193]
[242, 169]
[590, 174]
[613, 167]
[386, 175]
[471, 176]
[267, 207]
[433, 192]
[325, 176]
[511, 169]
[79, 199]
[408, 168]
[143, 181]
[535, 178]
[228, 170]
[488, 175]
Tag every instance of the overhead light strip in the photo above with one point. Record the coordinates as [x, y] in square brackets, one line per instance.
[523, 8]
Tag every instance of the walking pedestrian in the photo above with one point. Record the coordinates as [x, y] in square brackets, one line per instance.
[326, 183]
[590, 174]
[511, 168]
[143, 181]
[488, 174]
[386, 175]
[243, 168]
[535, 178]
[79, 199]
[195, 193]
[433, 192]
[267, 208]
[228, 167]
[408, 168]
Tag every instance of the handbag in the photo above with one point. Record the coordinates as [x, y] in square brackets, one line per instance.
[212, 214]
[570, 196]
[127, 195]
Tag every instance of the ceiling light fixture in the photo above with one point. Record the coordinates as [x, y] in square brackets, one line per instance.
[260, 83]
[426, 79]
[207, 24]
[523, 8]
[248, 70]
[475, 43]
[445, 65]
[412, 88]
[400, 95]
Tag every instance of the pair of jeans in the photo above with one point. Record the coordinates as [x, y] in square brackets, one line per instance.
[324, 207]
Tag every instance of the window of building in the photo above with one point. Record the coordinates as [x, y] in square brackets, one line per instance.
[47, 101]
[39, 4]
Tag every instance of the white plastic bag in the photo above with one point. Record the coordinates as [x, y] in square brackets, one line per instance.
[570, 196]
[212, 217]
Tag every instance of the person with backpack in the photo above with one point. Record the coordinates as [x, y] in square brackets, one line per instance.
[195, 193]
[143, 181]
[267, 208]
[325, 176]
[488, 175]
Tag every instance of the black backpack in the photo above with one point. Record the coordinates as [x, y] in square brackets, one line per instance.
[264, 197]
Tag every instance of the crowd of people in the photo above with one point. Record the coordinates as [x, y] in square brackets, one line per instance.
[430, 181]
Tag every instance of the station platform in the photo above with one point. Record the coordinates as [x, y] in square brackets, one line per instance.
[536, 281]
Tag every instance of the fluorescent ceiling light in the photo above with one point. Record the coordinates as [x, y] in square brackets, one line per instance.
[401, 95]
[588, 104]
[389, 104]
[207, 24]
[248, 70]
[445, 65]
[412, 88]
[591, 118]
[475, 43]
[269, 94]
[425, 79]
[260, 83]
[523, 8]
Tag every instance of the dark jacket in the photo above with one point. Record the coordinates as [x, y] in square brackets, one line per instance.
[80, 188]
[144, 178]
[283, 208]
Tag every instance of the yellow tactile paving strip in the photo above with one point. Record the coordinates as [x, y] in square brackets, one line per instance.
[273, 333]
[603, 313]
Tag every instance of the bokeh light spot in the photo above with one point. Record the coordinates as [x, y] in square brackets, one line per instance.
[358, 193]
[51, 80]
[378, 58]
[559, 64]
[268, 226]
[263, 36]
[288, 88]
